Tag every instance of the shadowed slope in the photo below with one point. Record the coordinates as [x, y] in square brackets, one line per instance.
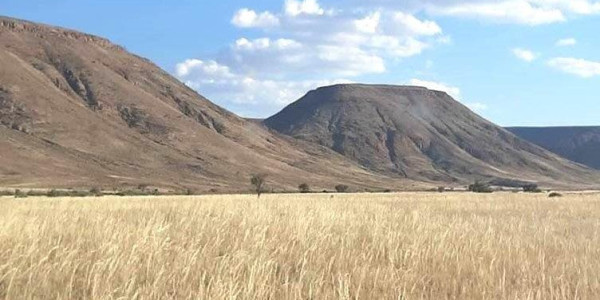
[579, 144]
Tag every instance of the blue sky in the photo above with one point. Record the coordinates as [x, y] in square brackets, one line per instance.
[516, 62]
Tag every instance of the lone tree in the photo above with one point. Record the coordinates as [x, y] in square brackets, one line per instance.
[258, 182]
[304, 188]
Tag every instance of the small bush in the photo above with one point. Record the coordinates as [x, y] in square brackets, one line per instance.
[96, 191]
[132, 193]
[34, 193]
[52, 193]
[304, 188]
[82, 194]
[555, 195]
[480, 187]
[7, 193]
[441, 189]
[20, 194]
[341, 188]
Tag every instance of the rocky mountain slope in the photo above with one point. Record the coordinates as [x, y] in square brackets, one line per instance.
[79, 111]
[421, 134]
[579, 144]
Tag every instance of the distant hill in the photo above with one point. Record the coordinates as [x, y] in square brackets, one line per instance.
[579, 144]
[420, 134]
[79, 111]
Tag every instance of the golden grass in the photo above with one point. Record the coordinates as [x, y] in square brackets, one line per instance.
[389, 246]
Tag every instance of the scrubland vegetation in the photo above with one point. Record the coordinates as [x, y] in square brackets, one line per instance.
[302, 246]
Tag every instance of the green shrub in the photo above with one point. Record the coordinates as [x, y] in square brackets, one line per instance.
[304, 188]
[555, 195]
[531, 188]
[20, 194]
[96, 191]
[480, 187]
[34, 193]
[7, 193]
[52, 193]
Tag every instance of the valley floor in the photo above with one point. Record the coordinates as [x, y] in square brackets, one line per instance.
[317, 246]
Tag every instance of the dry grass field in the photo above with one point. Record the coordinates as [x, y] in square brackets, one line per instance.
[354, 246]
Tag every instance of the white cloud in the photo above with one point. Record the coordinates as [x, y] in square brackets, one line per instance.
[249, 18]
[583, 7]
[286, 57]
[303, 44]
[368, 24]
[524, 54]
[566, 42]
[345, 43]
[525, 12]
[247, 94]
[416, 26]
[308, 7]
[210, 68]
[580, 67]
[265, 43]
[508, 11]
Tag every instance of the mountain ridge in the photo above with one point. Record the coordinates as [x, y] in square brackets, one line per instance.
[76, 110]
[577, 143]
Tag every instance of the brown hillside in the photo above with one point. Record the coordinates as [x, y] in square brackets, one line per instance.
[78, 111]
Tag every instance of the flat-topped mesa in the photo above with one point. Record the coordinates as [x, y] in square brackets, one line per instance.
[418, 133]
[18, 26]
[359, 87]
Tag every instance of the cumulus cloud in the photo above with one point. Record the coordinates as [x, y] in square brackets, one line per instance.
[525, 12]
[524, 54]
[511, 11]
[368, 24]
[248, 18]
[308, 7]
[303, 45]
[580, 67]
[415, 26]
[246, 94]
[566, 42]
